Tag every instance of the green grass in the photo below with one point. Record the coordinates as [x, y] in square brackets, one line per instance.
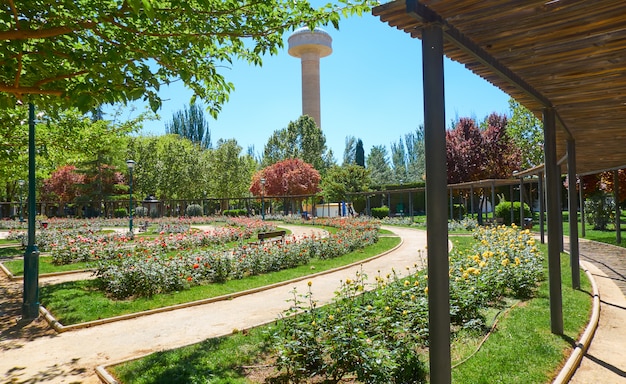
[521, 350]
[8, 253]
[16, 267]
[12, 242]
[217, 361]
[81, 301]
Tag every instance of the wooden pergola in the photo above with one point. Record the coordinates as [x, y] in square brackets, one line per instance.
[563, 60]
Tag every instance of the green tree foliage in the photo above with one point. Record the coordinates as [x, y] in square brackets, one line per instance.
[526, 131]
[191, 124]
[341, 181]
[349, 153]
[302, 139]
[111, 51]
[168, 167]
[13, 154]
[378, 165]
[398, 160]
[416, 155]
[230, 171]
[359, 155]
[598, 190]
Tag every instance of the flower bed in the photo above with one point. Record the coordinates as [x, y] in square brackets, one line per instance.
[144, 273]
[378, 336]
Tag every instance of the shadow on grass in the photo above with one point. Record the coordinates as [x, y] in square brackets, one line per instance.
[58, 296]
[10, 252]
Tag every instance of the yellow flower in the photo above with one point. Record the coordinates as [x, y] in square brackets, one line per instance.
[416, 283]
[465, 275]
[348, 281]
[517, 261]
[331, 317]
[309, 283]
[505, 262]
[406, 283]
[426, 290]
[405, 312]
[387, 309]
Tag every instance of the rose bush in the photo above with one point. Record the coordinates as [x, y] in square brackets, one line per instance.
[379, 335]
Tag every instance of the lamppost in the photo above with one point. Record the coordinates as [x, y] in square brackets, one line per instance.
[21, 183]
[263, 198]
[131, 165]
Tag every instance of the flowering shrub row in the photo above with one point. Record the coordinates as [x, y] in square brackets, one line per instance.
[377, 336]
[84, 243]
[145, 273]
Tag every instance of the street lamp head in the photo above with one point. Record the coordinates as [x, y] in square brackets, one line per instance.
[130, 164]
[21, 182]
[263, 181]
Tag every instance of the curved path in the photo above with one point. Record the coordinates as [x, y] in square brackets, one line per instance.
[72, 356]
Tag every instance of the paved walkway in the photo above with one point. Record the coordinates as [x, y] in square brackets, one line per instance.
[605, 360]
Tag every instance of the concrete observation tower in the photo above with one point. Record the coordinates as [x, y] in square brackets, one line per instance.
[310, 46]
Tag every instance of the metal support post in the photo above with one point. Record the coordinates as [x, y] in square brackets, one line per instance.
[542, 208]
[573, 214]
[437, 225]
[30, 304]
[618, 223]
[582, 207]
[553, 180]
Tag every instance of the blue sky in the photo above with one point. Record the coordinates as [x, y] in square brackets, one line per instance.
[371, 88]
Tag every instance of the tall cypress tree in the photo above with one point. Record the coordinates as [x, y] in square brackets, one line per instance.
[359, 155]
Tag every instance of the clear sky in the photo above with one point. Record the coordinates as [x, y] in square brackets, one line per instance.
[371, 88]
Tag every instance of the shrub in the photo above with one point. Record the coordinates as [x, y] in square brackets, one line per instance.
[599, 210]
[120, 212]
[141, 211]
[458, 210]
[235, 212]
[503, 210]
[381, 212]
[194, 210]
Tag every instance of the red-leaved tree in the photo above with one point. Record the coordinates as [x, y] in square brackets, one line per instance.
[289, 177]
[603, 183]
[63, 186]
[475, 153]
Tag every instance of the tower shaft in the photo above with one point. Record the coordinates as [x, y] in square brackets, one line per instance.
[311, 86]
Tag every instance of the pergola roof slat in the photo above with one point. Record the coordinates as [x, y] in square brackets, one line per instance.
[567, 53]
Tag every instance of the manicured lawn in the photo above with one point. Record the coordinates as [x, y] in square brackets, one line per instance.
[16, 267]
[82, 301]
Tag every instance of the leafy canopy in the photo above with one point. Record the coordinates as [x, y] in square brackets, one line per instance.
[84, 53]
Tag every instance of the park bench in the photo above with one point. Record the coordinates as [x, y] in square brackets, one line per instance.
[143, 227]
[490, 221]
[262, 236]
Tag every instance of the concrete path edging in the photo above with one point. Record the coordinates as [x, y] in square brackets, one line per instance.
[573, 362]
